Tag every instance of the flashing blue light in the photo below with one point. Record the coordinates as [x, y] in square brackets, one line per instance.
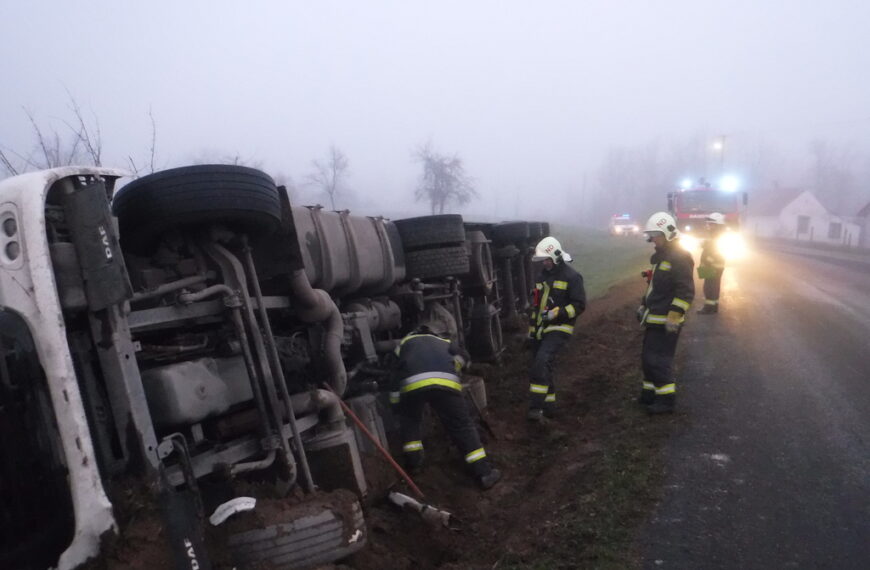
[686, 183]
[729, 183]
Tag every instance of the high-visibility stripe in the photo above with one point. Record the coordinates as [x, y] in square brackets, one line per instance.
[711, 302]
[560, 285]
[412, 446]
[394, 397]
[531, 329]
[560, 328]
[680, 303]
[410, 336]
[539, 286]
[550, 398]
[475, 455]
[538, 388]
[545, 296]
[426, 375]
[656, 319]
[665, 265]
[398, 349]
[453, 384]
[571, 311]
[666, 389]
[648, 385]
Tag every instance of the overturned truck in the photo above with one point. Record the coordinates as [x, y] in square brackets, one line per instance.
[192, 341]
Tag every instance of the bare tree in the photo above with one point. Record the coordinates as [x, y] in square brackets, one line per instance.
[329, 175]
[443, 180]
[832, 174]
[82, 144]
[152, 153]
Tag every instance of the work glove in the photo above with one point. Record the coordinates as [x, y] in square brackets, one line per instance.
[551, 315]
[459, 363]
[672, 324]
[639, 313]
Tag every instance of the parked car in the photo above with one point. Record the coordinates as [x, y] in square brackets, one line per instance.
[623, 225]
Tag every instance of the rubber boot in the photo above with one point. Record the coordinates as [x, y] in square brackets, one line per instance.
[646, 398]
[489, 480]
[664, 404]
[709, 310]
[535, 415]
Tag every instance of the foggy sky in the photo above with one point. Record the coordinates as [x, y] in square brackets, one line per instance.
[530, 94]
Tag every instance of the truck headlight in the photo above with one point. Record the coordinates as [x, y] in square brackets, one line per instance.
[731, 245]
[690, 243]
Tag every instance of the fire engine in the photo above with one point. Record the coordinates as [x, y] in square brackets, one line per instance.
[691, 205]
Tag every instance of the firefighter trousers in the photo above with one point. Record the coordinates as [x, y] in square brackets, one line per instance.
[452, 410]
[657, 361]
[542, 387]
[712, 287]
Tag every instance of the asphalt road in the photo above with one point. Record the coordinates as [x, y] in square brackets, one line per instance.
[770, 465]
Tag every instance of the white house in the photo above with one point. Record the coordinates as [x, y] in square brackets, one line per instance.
[799, 215]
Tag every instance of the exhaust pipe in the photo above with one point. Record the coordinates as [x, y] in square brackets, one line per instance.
[315, 305]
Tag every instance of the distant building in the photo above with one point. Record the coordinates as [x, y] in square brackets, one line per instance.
[798, 215]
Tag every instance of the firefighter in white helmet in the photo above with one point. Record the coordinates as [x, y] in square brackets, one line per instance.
[557, 300]
[712, 264]
[668, 297]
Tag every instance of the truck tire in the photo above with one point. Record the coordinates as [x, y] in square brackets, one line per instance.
[485, 334]
[195, 195]
[439, 262]
[510, 232]
[431, 231]
[304, 541]
[482, 273]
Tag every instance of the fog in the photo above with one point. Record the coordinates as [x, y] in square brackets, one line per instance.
[559, 110]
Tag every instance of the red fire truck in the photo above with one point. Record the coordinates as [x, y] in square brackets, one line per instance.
[692, 204]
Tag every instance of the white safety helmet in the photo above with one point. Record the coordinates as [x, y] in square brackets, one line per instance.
[550, 248]
[716, 218]
[664, 223]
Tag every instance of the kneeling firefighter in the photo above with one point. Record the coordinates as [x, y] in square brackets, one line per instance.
[662, 311]
[427, 372]
[558, 299]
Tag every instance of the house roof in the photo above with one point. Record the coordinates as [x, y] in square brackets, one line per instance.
[771, 201]
[865, 211]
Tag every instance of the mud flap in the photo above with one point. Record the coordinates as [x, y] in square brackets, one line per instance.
[92, 231]
[183, 528]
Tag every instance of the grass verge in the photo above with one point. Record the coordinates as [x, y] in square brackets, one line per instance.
[601, 258]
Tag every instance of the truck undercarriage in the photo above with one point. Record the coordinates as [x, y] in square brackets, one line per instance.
[195, 332]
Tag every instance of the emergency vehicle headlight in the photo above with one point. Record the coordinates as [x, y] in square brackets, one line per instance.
[731, 245]
[690, 243]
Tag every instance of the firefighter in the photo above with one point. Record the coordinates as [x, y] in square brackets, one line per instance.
[662, 312]
[712, 264]
[558, 299]
[427, 372]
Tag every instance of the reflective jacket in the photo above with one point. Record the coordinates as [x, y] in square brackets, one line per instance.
[426, 362]
[672, 286]
[560, 287]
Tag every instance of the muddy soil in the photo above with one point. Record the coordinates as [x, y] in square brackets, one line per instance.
[573, 490]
